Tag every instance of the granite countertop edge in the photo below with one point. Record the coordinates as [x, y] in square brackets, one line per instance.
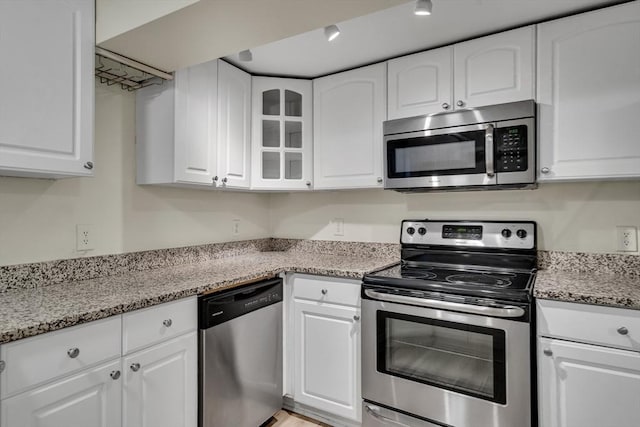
[34, 325]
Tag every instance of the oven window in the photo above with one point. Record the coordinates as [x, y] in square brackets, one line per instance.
[454, 154]
[467, 359]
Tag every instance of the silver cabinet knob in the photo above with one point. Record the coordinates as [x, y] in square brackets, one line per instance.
[622, 330]
[547, 352]
[135, 367]
[2, 365]
[379, 180]
[445, 106]
[88, 165]
[73, 352]
[308, 183]
[460, 103]
[356, 317]
[545, 170]
[114, 375]
[167, 323]
[214, 180]
[224, 180]
[324, 291]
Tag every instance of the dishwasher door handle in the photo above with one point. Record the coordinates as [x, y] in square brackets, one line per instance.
[506, 311]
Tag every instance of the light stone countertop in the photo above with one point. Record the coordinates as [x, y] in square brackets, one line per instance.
[29, 312]
[609, 289]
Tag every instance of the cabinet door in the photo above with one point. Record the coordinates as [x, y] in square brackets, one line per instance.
[91, 398]
[234, 126]
[587, 386]
[327, 358]
[588, 86]
[47, 87]
[281, 134]
[348, 111]
[495, 69]
[196, 106]
[420, 84]
[161, 385]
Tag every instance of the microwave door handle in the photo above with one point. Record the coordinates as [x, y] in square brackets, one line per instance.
[506, 311]
[488, 151]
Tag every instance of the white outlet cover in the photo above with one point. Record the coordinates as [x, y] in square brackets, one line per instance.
[84, 237]
[627, 238]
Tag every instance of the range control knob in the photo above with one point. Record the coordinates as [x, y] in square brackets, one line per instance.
[506, 233]
[521, 233]
[422, 231]
[411, 231]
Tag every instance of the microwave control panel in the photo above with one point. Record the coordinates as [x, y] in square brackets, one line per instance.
[511, 148]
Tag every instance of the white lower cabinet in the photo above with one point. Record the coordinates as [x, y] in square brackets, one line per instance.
[326, 345]
[91, 398]
[161, 383]
[583, 384]
[77, 377]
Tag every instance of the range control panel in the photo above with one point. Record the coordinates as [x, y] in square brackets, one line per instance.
[511, 148]
[504, 235]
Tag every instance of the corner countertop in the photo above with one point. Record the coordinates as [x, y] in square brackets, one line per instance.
[30, 312]
[608, 289]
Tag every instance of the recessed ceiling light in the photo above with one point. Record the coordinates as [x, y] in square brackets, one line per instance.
[245, 56]
[423, 7]
[331, 32]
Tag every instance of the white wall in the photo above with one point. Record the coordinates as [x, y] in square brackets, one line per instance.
[38, 217]
[571, 217]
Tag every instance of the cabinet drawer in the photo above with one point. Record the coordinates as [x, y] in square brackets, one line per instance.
[590, 323]
[327, 289]
[148, 326]
[41, 358]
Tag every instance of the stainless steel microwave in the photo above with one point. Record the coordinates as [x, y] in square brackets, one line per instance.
[485, 148]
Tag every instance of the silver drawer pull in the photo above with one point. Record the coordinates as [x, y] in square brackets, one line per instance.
[73, 352]
[114, 375]
[167, 323]
[547, 352]
[324, 291]
[623, 331]
[2, 365]
[135, 367]
[356, 317]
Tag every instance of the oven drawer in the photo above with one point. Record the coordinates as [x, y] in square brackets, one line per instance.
[608, 326]
[378, 416]
[327, 289]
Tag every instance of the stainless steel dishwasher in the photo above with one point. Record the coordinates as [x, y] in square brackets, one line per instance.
[240, 362]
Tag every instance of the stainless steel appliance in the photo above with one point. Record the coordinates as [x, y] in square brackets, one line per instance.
[240, 360]
[446, 334]
[490, 147]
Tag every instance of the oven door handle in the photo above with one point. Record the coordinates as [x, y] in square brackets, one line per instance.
[495, 311]
[373, 411]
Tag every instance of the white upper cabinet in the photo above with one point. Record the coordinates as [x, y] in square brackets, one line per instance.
[47, 87]
[282, 134]
[234, 127]
[420, 84]
[348, 111]
[176, 128]
[589, 95]
[489, 70]
[495, 69]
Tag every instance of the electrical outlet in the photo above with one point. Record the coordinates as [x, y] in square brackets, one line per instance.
[84, 237]
[235, 227]
[627, 238]
[338, 226]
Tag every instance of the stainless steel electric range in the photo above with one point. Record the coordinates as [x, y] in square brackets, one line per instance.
[447, 333]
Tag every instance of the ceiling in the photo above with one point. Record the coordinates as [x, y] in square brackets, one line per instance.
[172, 34]
[396, 31]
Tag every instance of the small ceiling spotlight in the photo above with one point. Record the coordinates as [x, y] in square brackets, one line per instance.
[423, 7]
[331, 32]
[245, 56]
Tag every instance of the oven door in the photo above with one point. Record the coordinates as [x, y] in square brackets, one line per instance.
[454, 368]
[459, 156]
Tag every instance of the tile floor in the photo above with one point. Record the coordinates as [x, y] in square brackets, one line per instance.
[290, 419]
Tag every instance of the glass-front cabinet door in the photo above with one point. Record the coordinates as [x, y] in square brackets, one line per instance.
[282, 134]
